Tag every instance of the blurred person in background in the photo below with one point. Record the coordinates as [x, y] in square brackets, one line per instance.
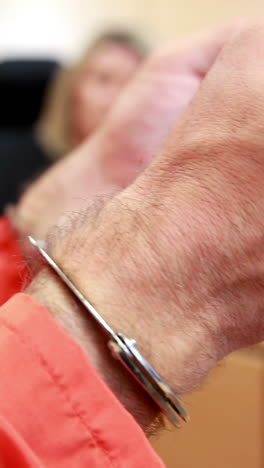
[80, 97]
[77, 101]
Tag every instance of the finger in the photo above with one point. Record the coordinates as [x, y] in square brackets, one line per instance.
[197, 52]
[151, 105]
[227, 110]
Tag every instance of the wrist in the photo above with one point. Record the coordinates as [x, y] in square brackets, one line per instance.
[50, 194]
[48, 289]
[127, 283]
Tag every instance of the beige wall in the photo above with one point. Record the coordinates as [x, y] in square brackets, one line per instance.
[168, 18]
[62, 27]
[226, 429]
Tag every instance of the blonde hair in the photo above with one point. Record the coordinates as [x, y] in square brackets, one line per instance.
[53, 129]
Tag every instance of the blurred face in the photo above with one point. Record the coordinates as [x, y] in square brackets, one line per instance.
[98, 84]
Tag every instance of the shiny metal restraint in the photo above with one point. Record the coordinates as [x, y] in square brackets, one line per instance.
[125, 350]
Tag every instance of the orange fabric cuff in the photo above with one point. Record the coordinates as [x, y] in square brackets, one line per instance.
[13, 269]
[56, 401]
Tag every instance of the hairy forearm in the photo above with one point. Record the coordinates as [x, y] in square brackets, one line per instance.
[173, 272]
[69, 314]
[121, 291]
[113, 264]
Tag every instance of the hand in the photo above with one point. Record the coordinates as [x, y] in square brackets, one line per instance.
[176, 260]
[134, 132]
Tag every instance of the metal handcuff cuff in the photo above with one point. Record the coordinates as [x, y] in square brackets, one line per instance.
[125, 350]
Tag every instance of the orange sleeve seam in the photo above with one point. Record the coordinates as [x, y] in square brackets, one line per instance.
[64, 391]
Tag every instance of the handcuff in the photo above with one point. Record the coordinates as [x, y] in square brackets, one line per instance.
[125, 350]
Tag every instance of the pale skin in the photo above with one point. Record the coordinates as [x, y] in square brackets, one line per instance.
[179, 253]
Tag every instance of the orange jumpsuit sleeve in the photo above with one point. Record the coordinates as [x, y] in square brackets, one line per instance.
[55, 409]
[13, 269]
